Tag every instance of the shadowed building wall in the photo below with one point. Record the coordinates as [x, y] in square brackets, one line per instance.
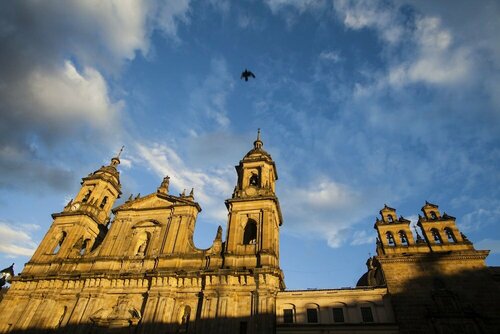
[438, 282]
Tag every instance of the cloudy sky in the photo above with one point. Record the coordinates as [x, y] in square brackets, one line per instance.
[360, 103]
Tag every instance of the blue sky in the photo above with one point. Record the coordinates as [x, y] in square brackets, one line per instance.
[360, 103]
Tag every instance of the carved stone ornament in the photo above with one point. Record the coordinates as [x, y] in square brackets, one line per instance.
[120, 315]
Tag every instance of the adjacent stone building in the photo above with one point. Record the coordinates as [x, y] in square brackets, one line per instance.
[140, 271]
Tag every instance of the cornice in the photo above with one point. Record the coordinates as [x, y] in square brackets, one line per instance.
[471, 255]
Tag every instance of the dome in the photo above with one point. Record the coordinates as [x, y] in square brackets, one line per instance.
[257, 152]
[373, 277]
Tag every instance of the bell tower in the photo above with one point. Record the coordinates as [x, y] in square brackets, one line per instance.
[254, 213]
[440, 230]
[394, 234]
[82, 224]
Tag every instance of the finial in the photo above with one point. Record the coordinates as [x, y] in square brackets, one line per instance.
[119, 153]
[257, 144]
[69, 204]
[163, 188]
[191, 193]
[116, 160]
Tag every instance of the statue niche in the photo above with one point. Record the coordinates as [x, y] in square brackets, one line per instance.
[142, 244]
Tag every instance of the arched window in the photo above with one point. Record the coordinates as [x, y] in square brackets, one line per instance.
[433, 215]
[289, 314]
[61, 238]
[86, 197]
[338, 312]
[436, 236]
[254, 180]
[449, 235]
[390, 219]
[250, 233]
[390, 239]
[403, 238]
[84, 247]
[142, 244]
[312, 315]
[312, 312]
[104, 201]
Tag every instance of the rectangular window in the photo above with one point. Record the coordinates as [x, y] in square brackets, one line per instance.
[312, 315]
[288, 316]
[366, 314]
[338, 314]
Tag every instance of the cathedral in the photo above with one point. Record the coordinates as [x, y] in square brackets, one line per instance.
[134, 268]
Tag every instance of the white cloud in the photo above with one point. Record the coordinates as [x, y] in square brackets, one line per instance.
[121, 25]
[247, 21]
[210, 97]
[478, 219]
[489, 244]
[54, 69]
[66, 94]
[168, 14]
[211, 188]
[328, 194]
[17, 241]
[224, 6]
[125, 162]
[324, 209]
[333, 56]
[413, 219]
[370, 14]
[362, 237]
[436, 59]
[300, 5]
[105, 33]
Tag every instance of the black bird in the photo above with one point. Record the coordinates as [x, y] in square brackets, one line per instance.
[247, 74]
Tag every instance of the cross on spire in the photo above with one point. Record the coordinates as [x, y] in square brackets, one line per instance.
[119, 153]
[116, 160]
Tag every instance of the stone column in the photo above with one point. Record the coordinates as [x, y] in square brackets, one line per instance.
[28, 313]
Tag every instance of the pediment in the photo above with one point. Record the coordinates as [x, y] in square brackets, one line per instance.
[147, 223]
[151, 201]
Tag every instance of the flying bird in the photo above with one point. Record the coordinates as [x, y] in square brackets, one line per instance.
[247, 74]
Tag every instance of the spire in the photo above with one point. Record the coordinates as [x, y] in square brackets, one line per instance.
[116, 160]
[258, 143]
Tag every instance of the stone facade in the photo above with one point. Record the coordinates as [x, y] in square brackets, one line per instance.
[140, 271]
[438, 282]
[335, 311]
